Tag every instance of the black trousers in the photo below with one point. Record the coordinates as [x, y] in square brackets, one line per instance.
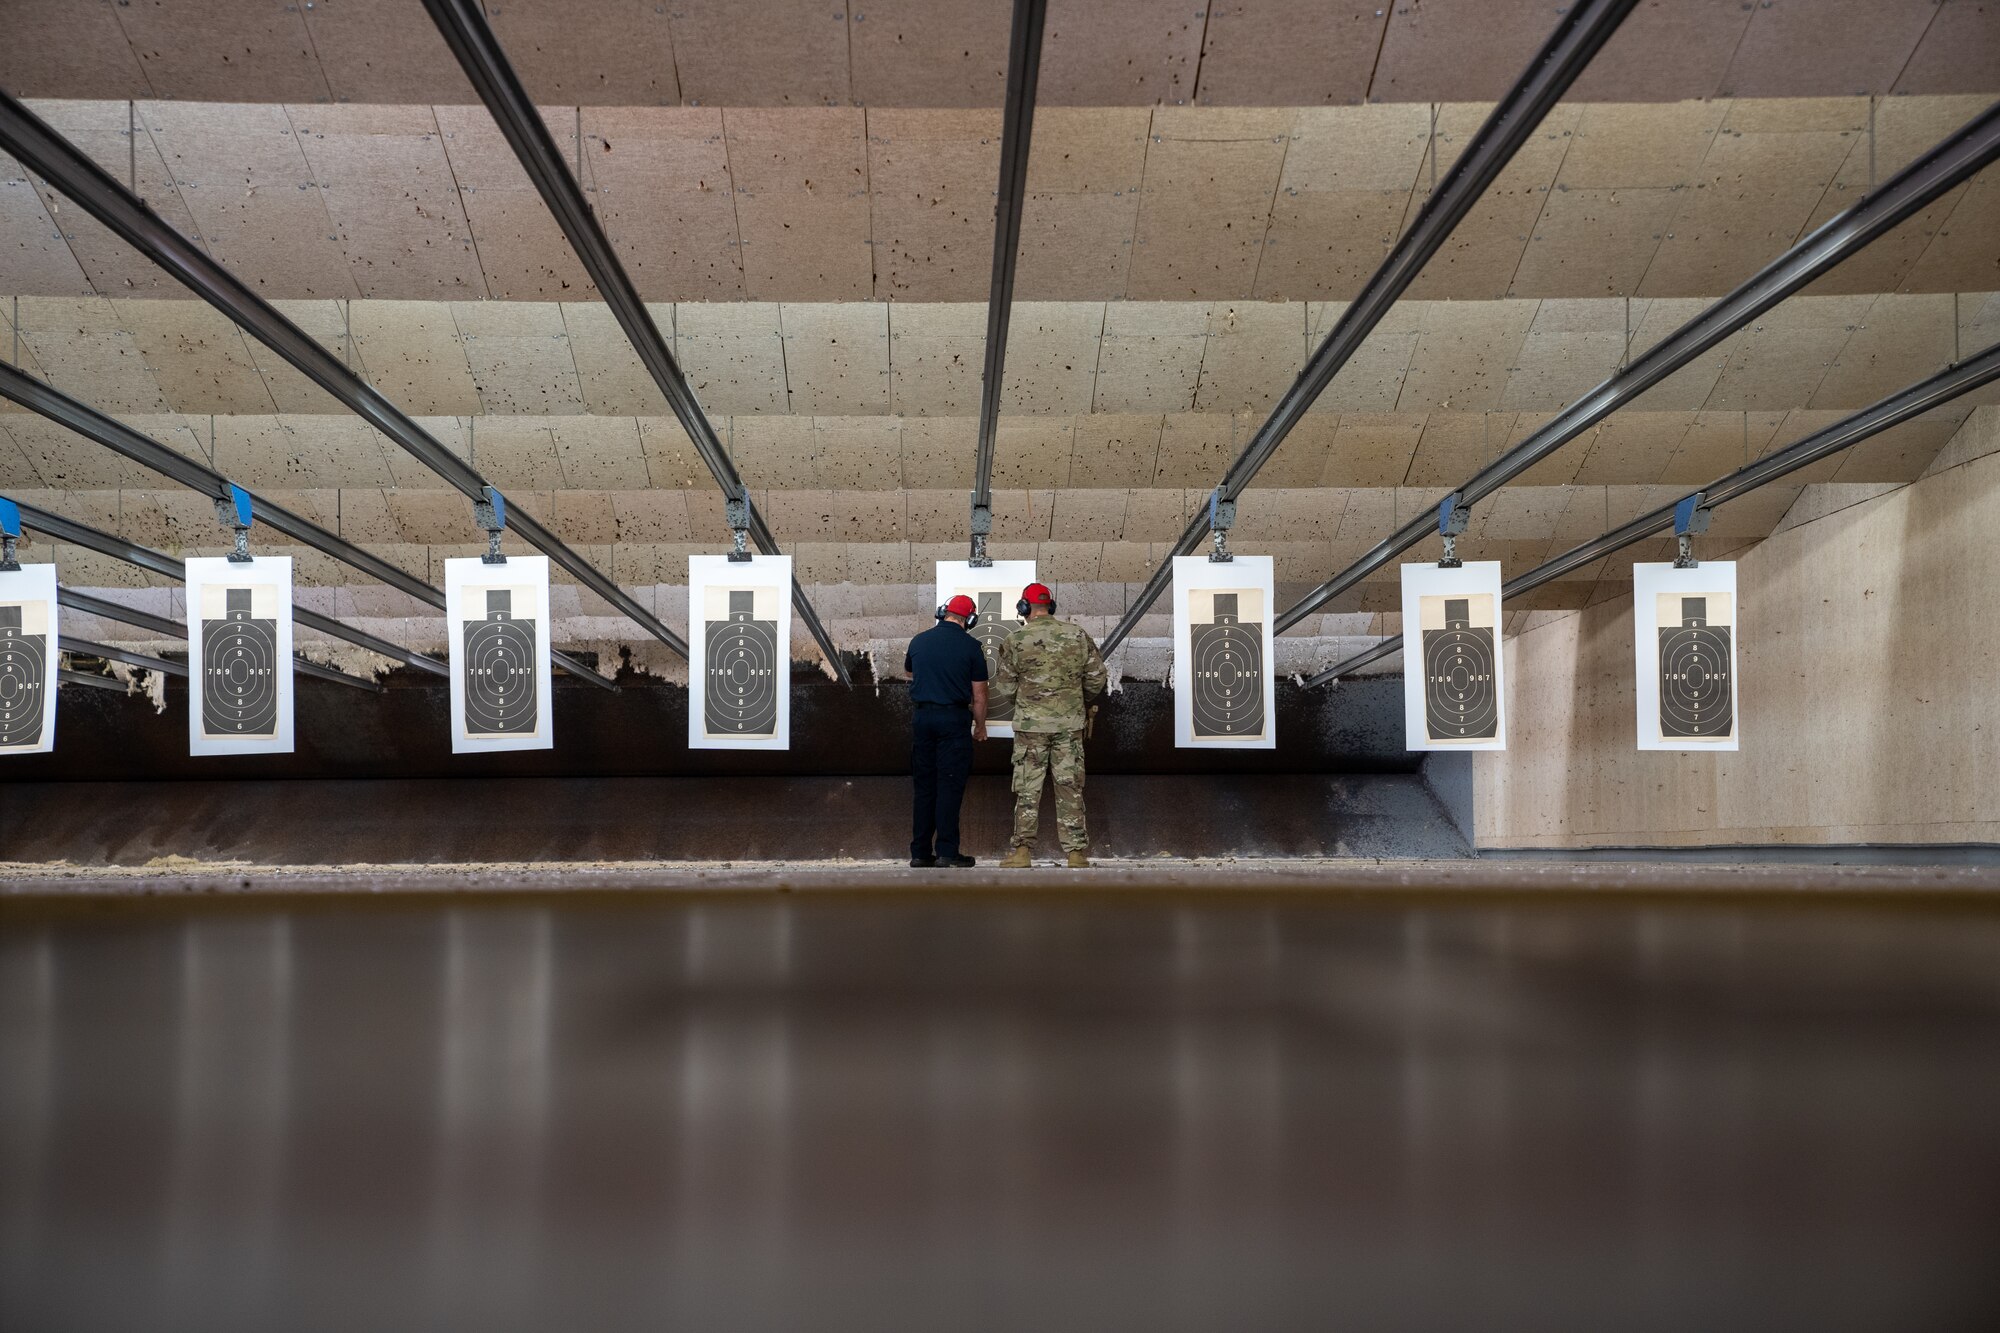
[940, 762]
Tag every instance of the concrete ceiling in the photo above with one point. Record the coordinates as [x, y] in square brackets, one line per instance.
[804, 193]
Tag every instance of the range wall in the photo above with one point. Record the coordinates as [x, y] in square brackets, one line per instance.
[1869, 695]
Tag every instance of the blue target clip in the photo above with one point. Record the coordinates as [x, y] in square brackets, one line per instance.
[1690, 517]
[10, 532]
[235, 512]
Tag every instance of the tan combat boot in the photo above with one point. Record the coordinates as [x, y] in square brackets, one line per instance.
[1078, 861]
[1016, 860]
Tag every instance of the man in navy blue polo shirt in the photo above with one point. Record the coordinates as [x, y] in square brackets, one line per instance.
[948, 697]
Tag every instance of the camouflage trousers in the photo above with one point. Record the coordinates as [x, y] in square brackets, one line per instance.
[1059, 754]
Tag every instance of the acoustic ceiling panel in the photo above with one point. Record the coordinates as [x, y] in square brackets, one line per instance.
[1209, 185]
[519, 244]
[1856, 46]
[258, 50]
[612, 379]
[519, 355]
[935, 356]
[659, 180]
[415, 353]
[776, 53]
[198, 358]
[837, 357]
[1051, 356]
[595, 52]
[801, 203]
[1289, 52]
[1254, 351]
[1085, 169]
[1483, 253]
[384, 51]
[932, 176]
[734, 355]
[1149, 359]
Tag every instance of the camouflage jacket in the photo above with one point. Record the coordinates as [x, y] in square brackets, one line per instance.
[1047, 668]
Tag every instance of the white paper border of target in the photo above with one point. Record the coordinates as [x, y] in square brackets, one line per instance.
[1198, 573]
[762, 571]
[274, 570]
[37, 583]
[1009, 577]
[465, 576]
[1472, 579]
[1649, 581]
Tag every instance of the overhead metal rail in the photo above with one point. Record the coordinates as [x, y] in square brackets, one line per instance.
[471, 39]
[1580, 33]
[127, 615]
[142, 449]
[1943, 168]
[145, 557]
[69, 677]
[88, 648]
[1017, 127]
[41, 150]
[1894, 410]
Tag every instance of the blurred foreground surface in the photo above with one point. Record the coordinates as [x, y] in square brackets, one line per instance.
[1048, 1113]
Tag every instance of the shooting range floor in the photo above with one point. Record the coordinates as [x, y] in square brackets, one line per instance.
[173, 875]
[1215, 1108]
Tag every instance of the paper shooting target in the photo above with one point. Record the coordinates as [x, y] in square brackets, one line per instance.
[24, 678]
[1684, 631]
[1461, 701]
[500, 670]
[239, 670]
[1228, 675]
[742, 665]
[992, 631]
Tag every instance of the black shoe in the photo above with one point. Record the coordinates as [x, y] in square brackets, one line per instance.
[922, 862]
[956, 862]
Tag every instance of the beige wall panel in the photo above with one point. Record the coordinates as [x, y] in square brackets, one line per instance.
[1328, 244]
[1688, 388]
[1521, 514]
[935, 53]
[85, 351]
[1159, 515]
[60, 458]
[1594, 242]
[1116, 449]
[1120, 52]
[606, 52]
[1776, 367]
[1373, 449]
[1717, 443]
[1756, 189]
[266, 451]
[1032, 452]
[414, 353]
[1900, 340]
[613, 380]
[520, 245]
[780, 53]
[650, 516]
[1210, 180]
[62, 45]
[385, 51]
[1454, 445]
[253, 198]
[384, 180]
[1965, 253]
[1051, 356]
[671, 460]
[932, 176]
[326, 322]
[197, 357]
[837, 358]
[1554, 368]
[1082, 205]
[1854, 45]
[1657, 146]
[733, 354]
[1150, 356]
[34, 258]
[1457, 48]
[267, 55]
[774, 452]
[1088, 516]
[938, 452]
[1254, 352]
[1301, 457]
[517, 453]
[660, 180]
[601, 453]
[583, 517]
[1289, 52]
[1628, 448]
[801, 197]
[1194, 449]
[1958, 53]
[936, 352]
[1372, 380]
[1021, 515]
[1465, 353]
[936, 516]
[1904, 452]
[1484, 251]
[519, 355]
[864, 453]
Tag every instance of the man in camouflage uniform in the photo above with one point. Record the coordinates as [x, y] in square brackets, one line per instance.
[1048, 669]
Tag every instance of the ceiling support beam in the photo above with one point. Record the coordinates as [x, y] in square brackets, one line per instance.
[1581, 32]
[123, 440]
[109, 610]
[145, 557]
[1894, 410]
[465, 30]
[41, 150]
[1017, 127]
[1937, 172]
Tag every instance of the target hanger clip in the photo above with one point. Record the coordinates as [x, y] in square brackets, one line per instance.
[1690, 518]
[982, 528]
[10, 533]
[233, 511]
[1453, 518]
[490, 513]
[737, 511]
[1221, 518]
